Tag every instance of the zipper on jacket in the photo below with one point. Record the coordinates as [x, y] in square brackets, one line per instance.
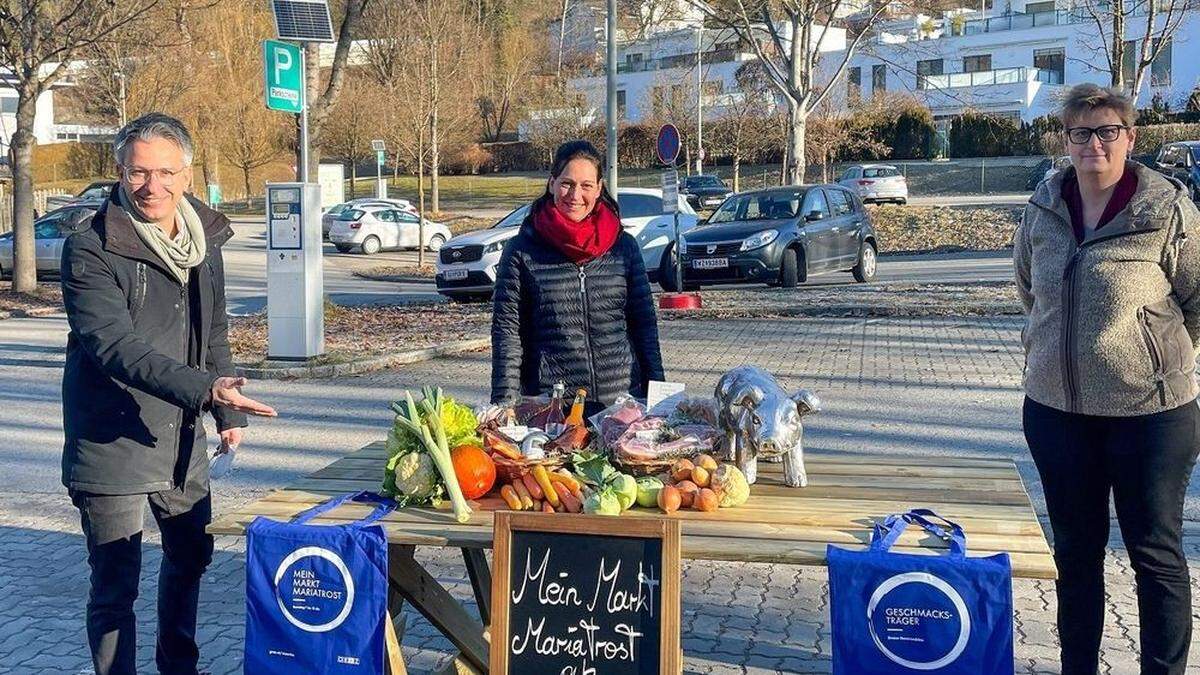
[587, 329]
[140, 300]
[1156, 360]
[1068, 320]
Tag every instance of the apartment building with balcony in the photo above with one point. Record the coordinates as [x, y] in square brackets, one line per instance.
[660, 73]
[1015, 62]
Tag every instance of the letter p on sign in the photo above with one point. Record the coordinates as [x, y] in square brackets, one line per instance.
[284, 69]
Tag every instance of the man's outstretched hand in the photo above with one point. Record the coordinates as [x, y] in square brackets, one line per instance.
[226, 392]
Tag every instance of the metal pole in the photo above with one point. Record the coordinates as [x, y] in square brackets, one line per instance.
[678, 255]
[302, 170]
[699, 101]
[611, 27]
[379, 190]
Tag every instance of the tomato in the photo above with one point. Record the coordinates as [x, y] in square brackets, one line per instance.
[475, 470]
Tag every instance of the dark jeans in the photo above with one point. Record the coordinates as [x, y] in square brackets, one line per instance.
[112, 525]
[1146, 462]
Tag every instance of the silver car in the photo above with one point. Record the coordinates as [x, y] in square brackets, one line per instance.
[49, 233]
[329, 217]
[372, 229]
[876, 183]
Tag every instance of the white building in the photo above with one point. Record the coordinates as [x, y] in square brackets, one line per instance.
[657, 77]
[43, 126]
[1014, 64]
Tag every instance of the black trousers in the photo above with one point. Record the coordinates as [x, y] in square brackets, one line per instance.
[1145, 462]
[112, 526]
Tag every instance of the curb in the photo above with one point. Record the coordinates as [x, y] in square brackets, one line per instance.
[287, 372]
[34, 313]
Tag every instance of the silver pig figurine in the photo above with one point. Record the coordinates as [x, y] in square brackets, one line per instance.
[759, 418]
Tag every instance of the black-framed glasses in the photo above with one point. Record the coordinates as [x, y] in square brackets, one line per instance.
[1107, 133]
[138, 177]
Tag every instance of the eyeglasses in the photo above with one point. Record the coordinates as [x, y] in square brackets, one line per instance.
[1107, 133]
[137, 177]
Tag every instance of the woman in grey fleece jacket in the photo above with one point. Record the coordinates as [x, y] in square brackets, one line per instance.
[1108, 269]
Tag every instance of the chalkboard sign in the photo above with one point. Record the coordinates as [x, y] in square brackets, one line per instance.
[576, 595]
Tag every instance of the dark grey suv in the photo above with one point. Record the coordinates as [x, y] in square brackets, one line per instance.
[781, 236]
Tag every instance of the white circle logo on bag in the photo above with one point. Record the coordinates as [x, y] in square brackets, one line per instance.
[915, 628]
[314, 583]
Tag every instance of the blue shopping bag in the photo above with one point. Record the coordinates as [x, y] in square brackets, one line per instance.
[907, 613]
[316, 595]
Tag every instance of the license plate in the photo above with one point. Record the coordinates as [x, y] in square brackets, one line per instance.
[710, 263]
[455, 275]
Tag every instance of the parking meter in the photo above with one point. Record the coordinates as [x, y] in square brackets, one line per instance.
[295, 283]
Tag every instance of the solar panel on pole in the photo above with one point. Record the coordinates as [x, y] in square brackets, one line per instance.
[303, 20]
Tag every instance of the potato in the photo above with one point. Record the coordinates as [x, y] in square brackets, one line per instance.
[682, 470]
[700, 476]
[707, 461]
[706, 500]
[687, 492]
[669, 499]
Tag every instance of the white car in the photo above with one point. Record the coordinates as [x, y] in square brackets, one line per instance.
[466, 267]
[331, 215]
[876, 183]
[373, 228]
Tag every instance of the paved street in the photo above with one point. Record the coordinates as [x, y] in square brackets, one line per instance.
[245, 261]
[896, 386]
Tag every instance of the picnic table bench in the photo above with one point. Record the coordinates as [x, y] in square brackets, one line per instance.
[845, 495]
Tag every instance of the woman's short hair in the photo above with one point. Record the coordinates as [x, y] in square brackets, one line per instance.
[151, 126]
[1084, 98]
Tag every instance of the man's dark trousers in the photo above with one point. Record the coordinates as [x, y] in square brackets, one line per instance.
[112, 525]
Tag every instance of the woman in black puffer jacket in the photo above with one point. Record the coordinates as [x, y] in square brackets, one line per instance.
[572, 300]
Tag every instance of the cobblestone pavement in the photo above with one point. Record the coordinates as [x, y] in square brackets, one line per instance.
[929, 386]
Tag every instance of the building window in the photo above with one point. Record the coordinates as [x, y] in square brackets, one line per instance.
[8, 105]
[621, 104]
[927, 68]
[1128, 59]
[1051, 61]
[878, 79]
[854, 83]
[1160, 68]
[977, 64]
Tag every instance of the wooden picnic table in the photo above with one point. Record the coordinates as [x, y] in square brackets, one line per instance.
[844, 496]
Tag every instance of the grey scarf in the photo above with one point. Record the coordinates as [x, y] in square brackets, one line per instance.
[178, 254]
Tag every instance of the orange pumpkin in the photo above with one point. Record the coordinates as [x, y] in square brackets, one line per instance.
[476, 472]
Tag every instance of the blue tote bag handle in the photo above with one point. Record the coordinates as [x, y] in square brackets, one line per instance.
[886, 533]
[384, 506]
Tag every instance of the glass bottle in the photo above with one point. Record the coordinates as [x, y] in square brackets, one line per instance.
[575, 419]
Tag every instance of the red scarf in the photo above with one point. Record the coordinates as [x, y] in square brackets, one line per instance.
[581, 241]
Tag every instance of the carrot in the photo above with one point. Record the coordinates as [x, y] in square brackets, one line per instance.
[510, 497]
[531, 484]
[564, 477]
[526, 498]
[572, 504]
[539, 473]
[547, 508]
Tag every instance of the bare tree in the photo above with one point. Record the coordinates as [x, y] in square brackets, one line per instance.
[503, 78]
[746, 117]
[786, 36]
[1126, 69]
[353, 124]
[38, 41]
[320, 105]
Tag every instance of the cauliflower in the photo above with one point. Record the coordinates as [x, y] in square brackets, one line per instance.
[413, 476]
[730, 485]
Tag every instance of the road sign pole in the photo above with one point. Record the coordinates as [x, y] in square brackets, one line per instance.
[380, 190]
[302, 170]
[678, 258]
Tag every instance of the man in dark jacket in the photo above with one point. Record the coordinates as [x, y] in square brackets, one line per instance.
[147, 355]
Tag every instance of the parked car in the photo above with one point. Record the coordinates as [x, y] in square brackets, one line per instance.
[704, 191]
[1181, 161]
[331, 215]
[782, 236]
[466, 267]
[96, 191]
[49, 233]
[373, 228]
[876, 183]
[1059, 164]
